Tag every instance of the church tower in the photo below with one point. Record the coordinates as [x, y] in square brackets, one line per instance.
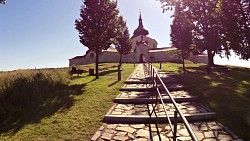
[140, 29]
[140, 36]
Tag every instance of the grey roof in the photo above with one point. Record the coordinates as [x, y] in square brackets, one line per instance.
[140, 29]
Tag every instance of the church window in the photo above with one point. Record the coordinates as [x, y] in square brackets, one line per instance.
[92, 55]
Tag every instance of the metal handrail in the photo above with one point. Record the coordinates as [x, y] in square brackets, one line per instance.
[154, 76]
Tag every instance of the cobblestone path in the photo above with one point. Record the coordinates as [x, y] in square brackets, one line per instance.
[133, 115]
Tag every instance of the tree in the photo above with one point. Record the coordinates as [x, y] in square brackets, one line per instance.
[209, 32]
[2, 1]
[237, 35]
[212, 33]
[205, 15]
[181, 34]
[122, 43]
[97, 25]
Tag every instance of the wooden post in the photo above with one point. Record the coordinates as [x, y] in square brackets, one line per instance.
[119, 73]
[160, 65]
[91, 72]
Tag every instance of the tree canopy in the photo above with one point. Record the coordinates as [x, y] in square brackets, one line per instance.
[2, 1]
[181, 34]
[97, 25]
[236, 13]
[220, 25]
[122, 42]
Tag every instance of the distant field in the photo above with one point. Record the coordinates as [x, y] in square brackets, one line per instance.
[49, 104]
[226, 94]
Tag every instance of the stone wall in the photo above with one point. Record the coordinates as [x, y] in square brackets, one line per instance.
[152, 56]
[109, 57]
[199, 59]
[115, 57]
[161, 56]
[76, 62]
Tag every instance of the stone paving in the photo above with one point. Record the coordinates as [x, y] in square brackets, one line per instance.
[136, 94]
[204, 131]
[150, 86]
[142, 109]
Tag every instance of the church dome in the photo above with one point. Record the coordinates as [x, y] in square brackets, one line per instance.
[140, 29]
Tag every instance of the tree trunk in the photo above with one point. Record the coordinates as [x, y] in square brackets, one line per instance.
[120, 60]
[210, 57]
[183, 61]
[183, 66]
[96, 64]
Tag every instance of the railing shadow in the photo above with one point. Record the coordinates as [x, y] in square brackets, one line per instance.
[113, 83]
[102, 73]
[226, 94]
[222, 90]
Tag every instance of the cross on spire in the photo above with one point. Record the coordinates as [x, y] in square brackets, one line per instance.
[140, 29]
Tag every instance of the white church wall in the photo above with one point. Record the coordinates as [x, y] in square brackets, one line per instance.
[115, 57]
[142, 49]
[199, 59]
[109, 57]
[89, 58]
[151, 42]
[161, 56]
[76, 62]
[129, 58]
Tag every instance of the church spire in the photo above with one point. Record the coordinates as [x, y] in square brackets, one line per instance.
[140, 29]
[140, 20]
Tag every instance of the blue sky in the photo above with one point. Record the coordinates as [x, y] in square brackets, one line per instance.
[39, 34]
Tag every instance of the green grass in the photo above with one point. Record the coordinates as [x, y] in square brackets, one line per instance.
[226, 94]
[72, 109]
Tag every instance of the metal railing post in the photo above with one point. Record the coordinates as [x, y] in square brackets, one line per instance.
[156, 81]
[153, 78]
[175, 125]
[149, 69]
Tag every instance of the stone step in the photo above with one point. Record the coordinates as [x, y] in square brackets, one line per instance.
[149, 100]
[167, 80]
[172, 87]
[138, 82]
[204, 131]
[137, 87]
[146, 109]
[136, 94]
[146, 119]
[152, 89]
[149, 87]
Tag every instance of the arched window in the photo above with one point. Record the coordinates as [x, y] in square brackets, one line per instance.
[92, 55]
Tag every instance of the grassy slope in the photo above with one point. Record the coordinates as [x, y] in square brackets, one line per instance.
[88, 101]
[226, 94]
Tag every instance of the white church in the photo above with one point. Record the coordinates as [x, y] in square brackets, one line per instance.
[144, 48]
